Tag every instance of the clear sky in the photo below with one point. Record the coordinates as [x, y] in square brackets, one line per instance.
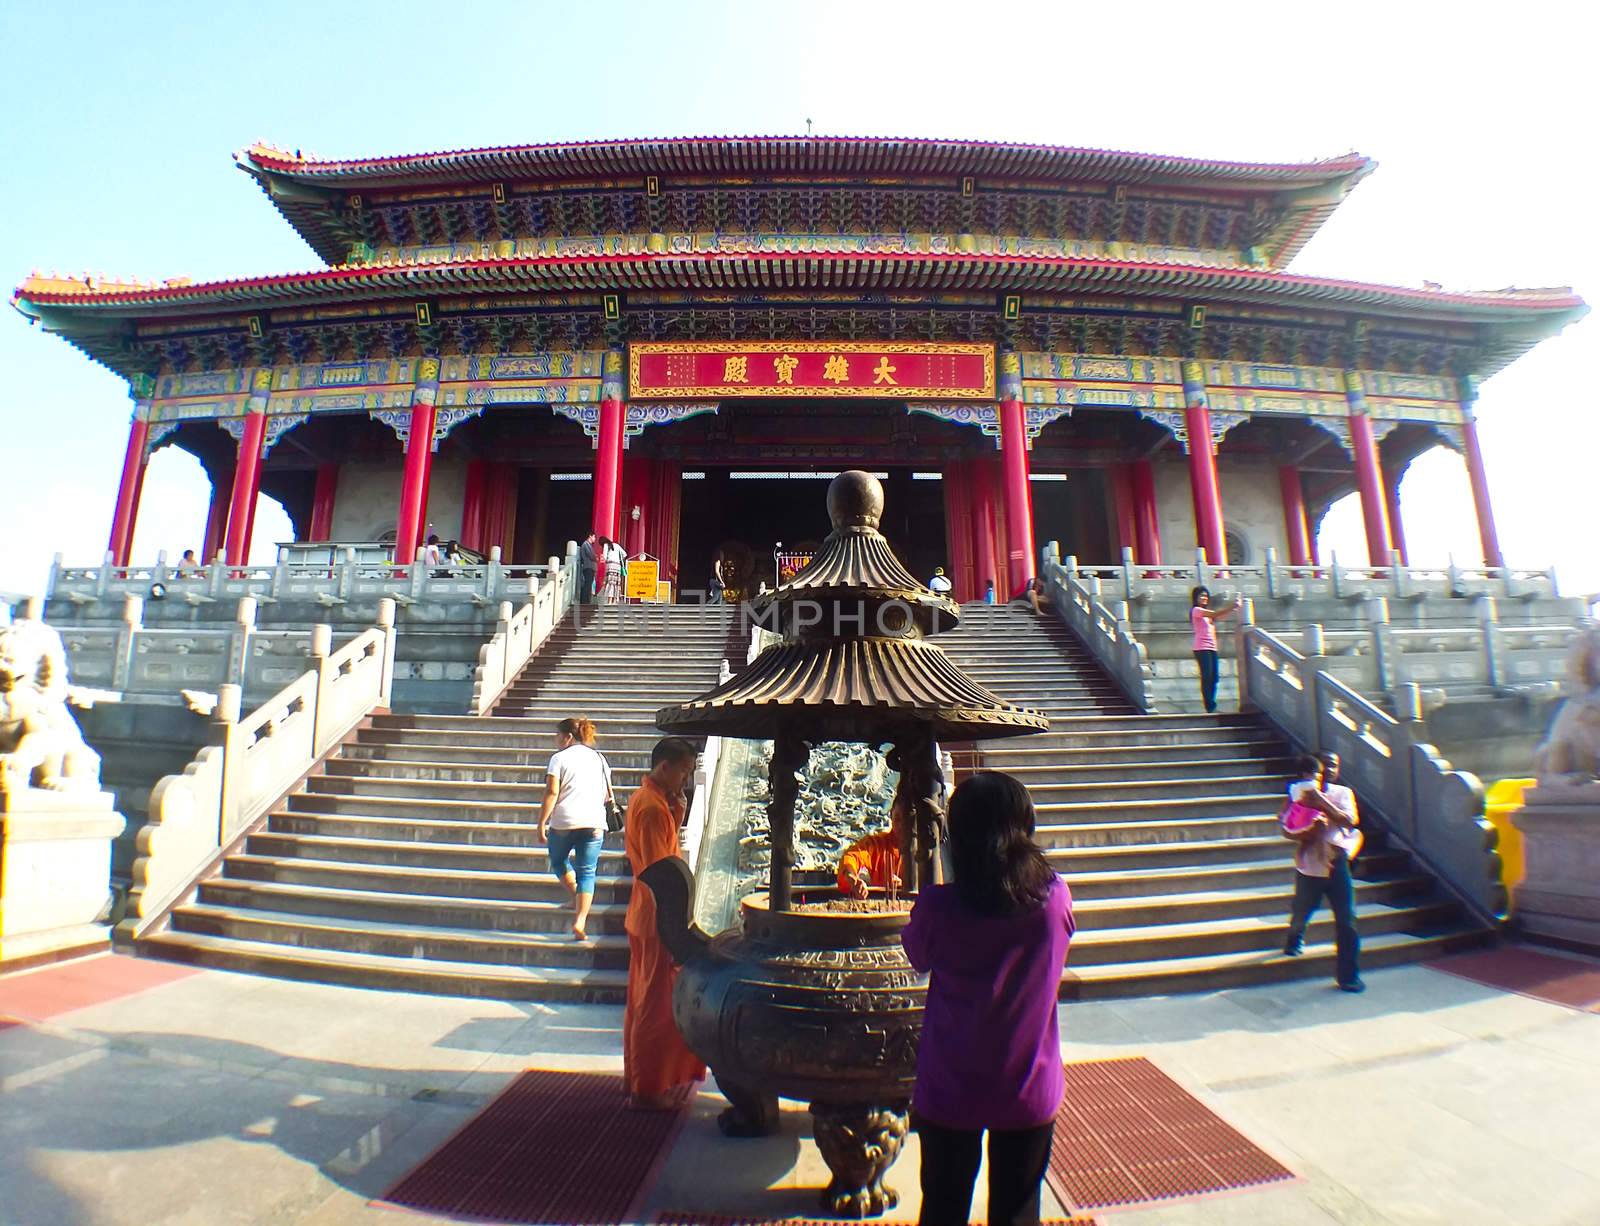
[119, 120]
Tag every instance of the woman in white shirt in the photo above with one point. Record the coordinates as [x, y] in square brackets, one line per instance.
[577, 788]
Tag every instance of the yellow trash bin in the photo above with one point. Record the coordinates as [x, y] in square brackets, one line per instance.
[1504, 799]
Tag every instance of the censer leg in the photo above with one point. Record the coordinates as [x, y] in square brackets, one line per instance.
[859, 1144]
[750, 1113]
[789, 758]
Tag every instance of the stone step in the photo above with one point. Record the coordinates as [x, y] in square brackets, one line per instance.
[272, 844]
[1170, 880]
[1157, 790]
[436, 977]
[391, 940]
[1214, 972]
[1249, 933]
[1139, 771]
[1136, 857]
[1175, 811]
[409, 788]
[1142, 833]
[421, 770]
[415, 809]
[388, 828]
[550, 915]
[402, 879]
[1022, 752]
[1204, 906]
[633, 751]
[488, 735]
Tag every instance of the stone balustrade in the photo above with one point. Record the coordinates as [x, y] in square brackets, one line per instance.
[1435, 811]
[253, 762]
[341, 589]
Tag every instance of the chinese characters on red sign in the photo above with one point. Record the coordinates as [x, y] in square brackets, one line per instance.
[901, 370]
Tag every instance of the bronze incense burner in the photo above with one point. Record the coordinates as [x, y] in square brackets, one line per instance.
[804, 1002]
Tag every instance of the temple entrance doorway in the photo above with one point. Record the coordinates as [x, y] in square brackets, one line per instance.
[1073, 508]
[746, 513]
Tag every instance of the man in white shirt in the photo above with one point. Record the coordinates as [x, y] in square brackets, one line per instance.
[939, 583]
[1322, 870]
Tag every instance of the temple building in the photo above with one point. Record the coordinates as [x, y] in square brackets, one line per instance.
[666, 343]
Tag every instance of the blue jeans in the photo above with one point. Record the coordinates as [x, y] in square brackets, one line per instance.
[1339, 889]
[582, 847]
[1208, 678]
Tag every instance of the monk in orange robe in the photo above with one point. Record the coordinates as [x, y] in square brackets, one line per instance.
[876, 859]
[655, 1059]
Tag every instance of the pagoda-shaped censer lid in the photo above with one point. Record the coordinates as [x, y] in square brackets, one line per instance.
[855, 662]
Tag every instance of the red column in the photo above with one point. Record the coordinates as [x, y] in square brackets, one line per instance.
[246, 485]
[636, 479]
[1121, 477]
[1473, 454]
[958, 529]
[217, 516]
[608, 469]
[414, 484]
[1294, 516]
[422, 505]
[1203, 484]
[1146, 515]
[322, 502]
[1369, 473]
[1397, 532]
[128, 489]
[1018, 499]
[663, 510]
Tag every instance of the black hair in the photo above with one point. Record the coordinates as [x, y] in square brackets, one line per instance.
[1307, 766]
[433, 538]
[999, 870]
[671, 749]
[1194, 596]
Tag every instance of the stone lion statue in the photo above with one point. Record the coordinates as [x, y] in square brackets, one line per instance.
[1571, 753]
[40, 743]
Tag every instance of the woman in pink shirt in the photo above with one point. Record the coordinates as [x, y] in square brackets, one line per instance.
[994, 944]
[1201, 617]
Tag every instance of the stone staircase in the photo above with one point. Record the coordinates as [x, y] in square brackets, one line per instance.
[410, 861]
[1165, 826]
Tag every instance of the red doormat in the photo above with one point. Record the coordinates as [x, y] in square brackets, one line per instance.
[42, 993]
[551, 1147]
[1513, 968]
[1126, 1133]
[701, 1219]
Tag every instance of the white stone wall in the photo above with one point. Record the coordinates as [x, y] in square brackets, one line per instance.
[369, 497]
[1252, 508]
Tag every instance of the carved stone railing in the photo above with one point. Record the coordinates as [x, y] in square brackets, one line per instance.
[518, 635]
[1435, 811]
[151, 664]
[1107, 635]
[1275, 580]
[351, 579]
[256, 760]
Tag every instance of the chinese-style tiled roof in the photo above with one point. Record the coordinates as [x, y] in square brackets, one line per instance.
[866, 155]
[315, 186]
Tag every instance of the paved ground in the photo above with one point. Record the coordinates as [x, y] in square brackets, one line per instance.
[211, 1098]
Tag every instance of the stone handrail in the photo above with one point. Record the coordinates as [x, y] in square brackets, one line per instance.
[518, 635]
[257, 759]
[1435, 811]
[1275, 580]
[706, 779]
[330, 584]
[1107, 636]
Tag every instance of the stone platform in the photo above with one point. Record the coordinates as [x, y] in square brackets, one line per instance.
[144, 1093]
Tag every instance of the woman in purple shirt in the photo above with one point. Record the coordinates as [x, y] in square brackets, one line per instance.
[994, 943]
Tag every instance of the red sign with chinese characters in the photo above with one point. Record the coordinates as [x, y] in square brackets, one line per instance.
[900, 370]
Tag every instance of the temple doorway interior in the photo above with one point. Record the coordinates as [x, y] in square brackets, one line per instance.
[1073, 508]
[746, 512]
